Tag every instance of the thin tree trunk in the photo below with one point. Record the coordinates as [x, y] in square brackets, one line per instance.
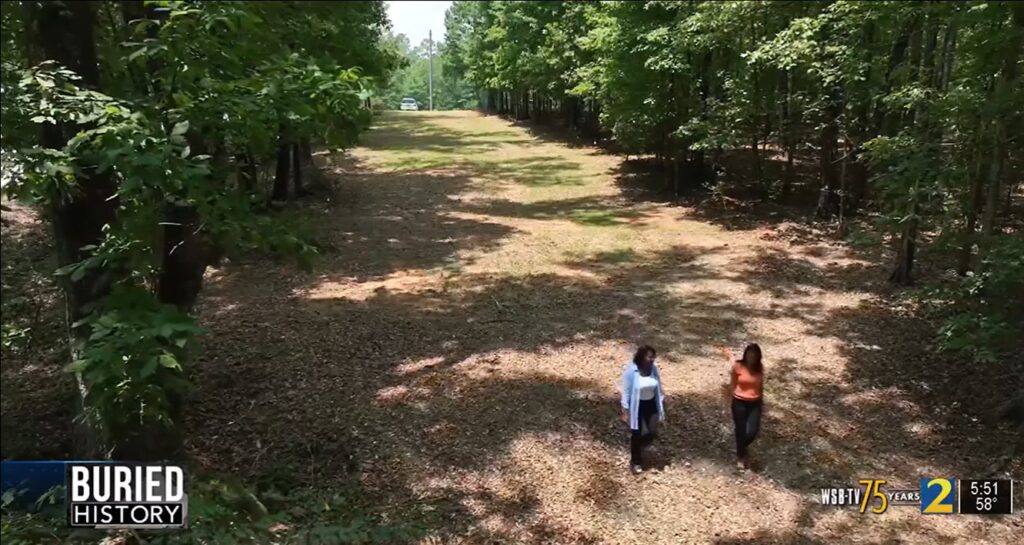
[297, 166]
[999, 140]
[886, 120]
[704, 89]
[948, 57]
[280, 191]
[971, 216]
[988, 219]
[184, 259]
[65, 34]
[841, 226]
[790, 139]
[246, 171]
[826, 206]
[921, 63]
[755, 148]
[905, 252]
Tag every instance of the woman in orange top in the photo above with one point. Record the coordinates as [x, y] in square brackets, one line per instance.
[746, 386]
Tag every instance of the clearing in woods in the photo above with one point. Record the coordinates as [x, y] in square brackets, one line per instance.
[459, 349]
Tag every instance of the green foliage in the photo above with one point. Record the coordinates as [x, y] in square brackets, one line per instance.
[451, 91]
[183, 88]
[130, 357]
[921, 98]
[44, 522]
[983, 310]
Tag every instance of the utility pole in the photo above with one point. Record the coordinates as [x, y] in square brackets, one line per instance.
[430, 62]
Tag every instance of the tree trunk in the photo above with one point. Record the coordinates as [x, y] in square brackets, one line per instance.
[790, 138]
[704, 90]
[246, 171]
[826, 206]
[988, 219]
[886, 121]
[999, 141]
[841, 226]
[65, 33]
[857, 169]
[297, 166]
[182, 253]
[755, 149]
[280, 191]
[575, 113]
[922, 51]
[905, 252]
[971, 217]
[948, 58]
[184, 258]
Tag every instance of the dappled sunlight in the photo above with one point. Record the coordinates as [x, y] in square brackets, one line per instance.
[474, 308]
[398, 282]
[418, 365]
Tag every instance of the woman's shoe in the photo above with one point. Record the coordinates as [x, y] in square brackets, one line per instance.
[636, 469]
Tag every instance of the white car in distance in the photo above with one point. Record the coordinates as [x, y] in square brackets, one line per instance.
[409, 104]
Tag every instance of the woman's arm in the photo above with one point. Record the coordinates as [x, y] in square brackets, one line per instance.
[727, 353]
[729, 387]
[627, 391]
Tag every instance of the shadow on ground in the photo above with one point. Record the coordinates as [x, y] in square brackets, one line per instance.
[38, 396]
[370, 384]
[411, 384]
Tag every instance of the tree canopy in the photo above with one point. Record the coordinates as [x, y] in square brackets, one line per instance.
[906, 111]
[142, 130]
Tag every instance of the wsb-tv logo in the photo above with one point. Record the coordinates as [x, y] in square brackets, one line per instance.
[935, 496]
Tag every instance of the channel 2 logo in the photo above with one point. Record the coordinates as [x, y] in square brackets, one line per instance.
[938, 496]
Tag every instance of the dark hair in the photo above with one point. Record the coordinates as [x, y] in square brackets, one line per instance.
[638, 358]
[755, 367]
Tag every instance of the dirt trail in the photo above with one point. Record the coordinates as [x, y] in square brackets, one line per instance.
[460, 345]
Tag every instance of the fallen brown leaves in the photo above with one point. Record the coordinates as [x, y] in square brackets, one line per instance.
[459, 350]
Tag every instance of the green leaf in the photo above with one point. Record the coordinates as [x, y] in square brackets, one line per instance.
[168, 361]
[66, 269]
[78, 274]
[137, 53]
[76, 366]
[180, 128]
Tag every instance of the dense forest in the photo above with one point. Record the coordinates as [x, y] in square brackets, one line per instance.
[907, 114]
[157, 138]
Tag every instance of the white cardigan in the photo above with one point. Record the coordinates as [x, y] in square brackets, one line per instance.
[631, 394]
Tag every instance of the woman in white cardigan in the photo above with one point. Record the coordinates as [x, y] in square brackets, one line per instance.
[642, 403]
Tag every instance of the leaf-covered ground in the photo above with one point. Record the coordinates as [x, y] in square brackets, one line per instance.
[458, 347]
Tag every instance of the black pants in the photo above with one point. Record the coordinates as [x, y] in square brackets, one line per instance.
[647, 420]
[746, 416]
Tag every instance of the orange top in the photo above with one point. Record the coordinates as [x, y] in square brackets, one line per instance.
[748, 385]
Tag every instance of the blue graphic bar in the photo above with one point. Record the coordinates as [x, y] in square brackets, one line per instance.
[27, 480]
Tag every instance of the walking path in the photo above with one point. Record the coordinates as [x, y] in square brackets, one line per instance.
[459, 346]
